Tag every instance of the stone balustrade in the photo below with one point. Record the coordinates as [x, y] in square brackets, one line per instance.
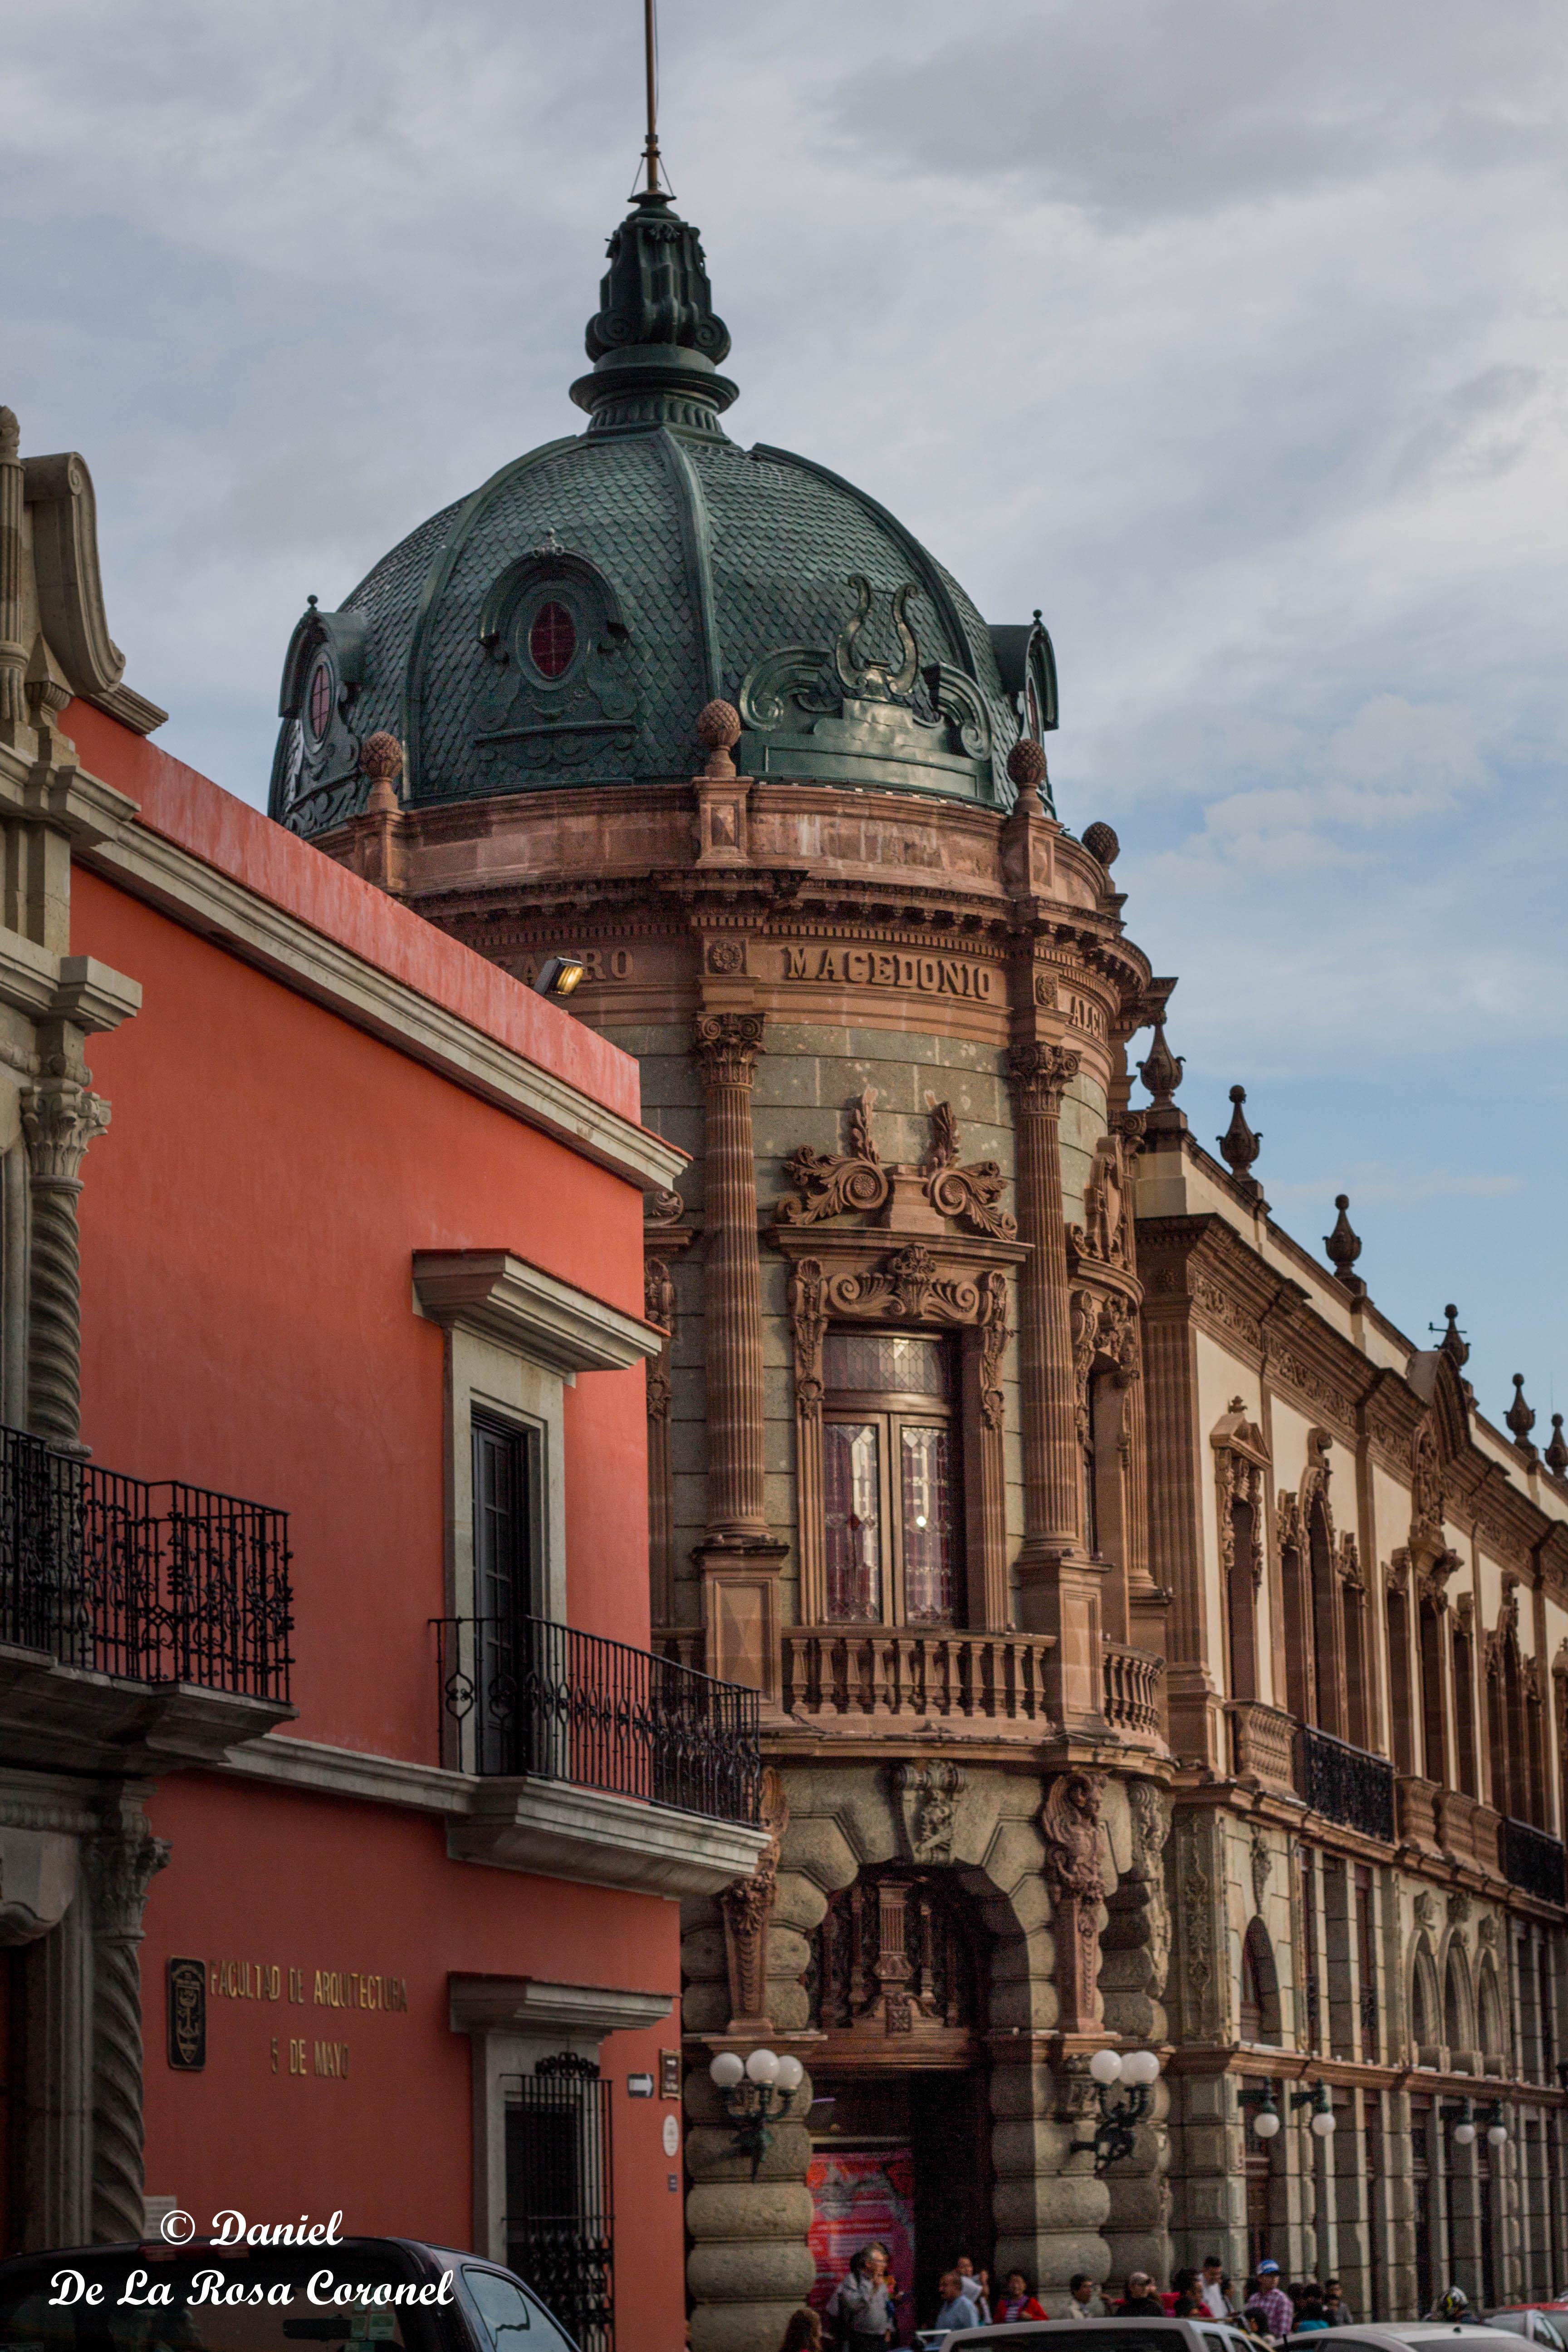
[1133, 1679]
[1263, 1744]
[882, 1672]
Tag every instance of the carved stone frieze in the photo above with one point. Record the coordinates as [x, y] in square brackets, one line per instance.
[747, 1907]
[1074, 1869]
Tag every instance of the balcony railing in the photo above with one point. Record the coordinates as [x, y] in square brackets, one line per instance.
[150, 1583]
[523, 1696]
[1346, 1784]
[1532, 1862]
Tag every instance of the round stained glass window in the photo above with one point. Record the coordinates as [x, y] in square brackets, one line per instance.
[321, 698]
[552, 640]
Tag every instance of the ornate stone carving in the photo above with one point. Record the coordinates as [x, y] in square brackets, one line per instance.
[662, 1208]
[968, 1195]
[717, 729]
[1426, 1493]
[120, 1869]
[1105, 1235]
[1071, 1826]
[1425, 1908]
[831, 1183]
[1262, 1862]
[1196, 1893]
[659, 1306]
[1488, 1929]
[748, 1908]
[1150, 1810]
[726, 956]
[934, 1790]
[1458, 1906]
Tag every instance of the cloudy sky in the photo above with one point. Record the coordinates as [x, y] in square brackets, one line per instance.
[1231, 332]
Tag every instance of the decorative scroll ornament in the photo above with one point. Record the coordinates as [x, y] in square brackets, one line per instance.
[832, 1184]
[662, 1208]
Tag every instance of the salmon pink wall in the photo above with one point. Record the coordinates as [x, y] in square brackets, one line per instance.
[247, 1226]
[334, 1885]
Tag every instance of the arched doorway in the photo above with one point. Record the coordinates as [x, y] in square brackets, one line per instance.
[901, 2122]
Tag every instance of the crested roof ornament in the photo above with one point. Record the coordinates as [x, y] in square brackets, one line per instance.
[1453, 1343]
[1557, 1452]
[1239, 1146]
[1520, 1419]
[1343, 1248]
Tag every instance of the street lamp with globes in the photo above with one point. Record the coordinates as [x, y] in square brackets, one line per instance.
[1114, 2134]
[755, 2091]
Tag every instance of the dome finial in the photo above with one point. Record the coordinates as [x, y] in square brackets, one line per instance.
[652, 166]
[656, 339]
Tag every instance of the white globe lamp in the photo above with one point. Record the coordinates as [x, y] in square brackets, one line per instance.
[763, 2068]
[1266, 2123]
[1324, 2123]
[726, 2070]
[1141, 2067]
[791, 2073]
[1106, 2066]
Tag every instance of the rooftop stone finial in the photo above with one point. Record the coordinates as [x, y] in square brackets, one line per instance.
[1520, 1419]
[1557, 1452]
[1239, 1146]
[1161, 1071]
[1343, 1247]
[656, 339]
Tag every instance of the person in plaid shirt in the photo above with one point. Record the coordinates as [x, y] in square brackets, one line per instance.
[1272, 2303]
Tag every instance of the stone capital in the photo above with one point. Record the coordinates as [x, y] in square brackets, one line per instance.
[120, 1870]
[727, 1046]
[1039, 1074]
[60, 1118]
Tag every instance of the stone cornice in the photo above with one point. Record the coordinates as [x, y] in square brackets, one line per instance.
[504, 1298]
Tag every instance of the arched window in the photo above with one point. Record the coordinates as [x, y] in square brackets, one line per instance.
[1516, 1735]
[1241, 1603]
[1259, 1987]
[1359, 1721]
[1435, 1745]
[1457, 2011]
[1464, 1713]
[1326, 1679]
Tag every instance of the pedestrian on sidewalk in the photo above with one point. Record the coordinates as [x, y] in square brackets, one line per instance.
[1140, 2302]
[860, 2308]
[1272, 2305]
[974, 2283]
[1086, 2302]
[957, 2310]
[803, 2332]
[1018, 2300]
[1211, 2289]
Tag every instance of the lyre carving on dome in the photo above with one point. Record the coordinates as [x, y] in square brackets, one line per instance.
[878, 681]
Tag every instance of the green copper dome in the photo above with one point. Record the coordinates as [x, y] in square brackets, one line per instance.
[564, 624]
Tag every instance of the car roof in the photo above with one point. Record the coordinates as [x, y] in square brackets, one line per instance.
[1408, 2331]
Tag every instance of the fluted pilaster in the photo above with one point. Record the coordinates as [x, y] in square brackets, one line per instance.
[728, 1044]
[1053, 1468]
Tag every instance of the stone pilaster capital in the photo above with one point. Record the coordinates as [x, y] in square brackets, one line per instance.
[1039, 1074]
[727, 1046]
[60, 1117]
[120, 1870]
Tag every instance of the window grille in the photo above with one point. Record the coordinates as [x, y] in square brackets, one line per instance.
[560, 2194]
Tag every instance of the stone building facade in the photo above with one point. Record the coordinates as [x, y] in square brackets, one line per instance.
[1155, 1646]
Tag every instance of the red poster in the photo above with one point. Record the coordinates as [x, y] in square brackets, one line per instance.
[855, 2198]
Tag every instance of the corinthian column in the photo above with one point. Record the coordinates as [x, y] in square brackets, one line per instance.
[120, 1867]
[60, 1118]
[1058, 1584]
[739, 1558]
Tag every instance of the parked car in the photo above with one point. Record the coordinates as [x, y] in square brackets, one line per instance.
[1538, 2323]
[394, 2293]
[1099, 2335]
[1400, 2335]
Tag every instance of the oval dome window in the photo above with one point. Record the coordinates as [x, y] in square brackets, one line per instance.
[552, 640]
[321, 698]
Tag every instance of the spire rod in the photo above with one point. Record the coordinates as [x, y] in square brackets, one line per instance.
[650, 144]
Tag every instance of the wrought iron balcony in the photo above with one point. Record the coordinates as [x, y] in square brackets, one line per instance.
[1533, 1862]
[525, 1697]
[1344, 1783]
[159, 1583]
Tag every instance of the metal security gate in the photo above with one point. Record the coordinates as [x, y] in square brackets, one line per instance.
[560, 2197]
